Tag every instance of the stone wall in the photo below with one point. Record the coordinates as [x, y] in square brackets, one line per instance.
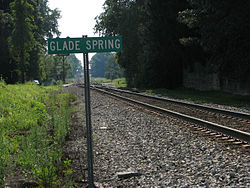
[236, 87]
[206, 78]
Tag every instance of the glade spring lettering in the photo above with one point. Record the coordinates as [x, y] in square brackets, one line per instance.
[84, 45]
[103, 44]
[67, 45]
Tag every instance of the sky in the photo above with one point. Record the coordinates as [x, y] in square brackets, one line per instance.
[77, 18]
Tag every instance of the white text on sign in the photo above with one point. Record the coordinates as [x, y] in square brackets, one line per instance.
[103, 44]
[67, 45]
[84, 45]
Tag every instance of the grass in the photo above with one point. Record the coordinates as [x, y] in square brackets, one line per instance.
[191, 95]
[119, 82]
[101, 80]
[34, 122]
[216, 97]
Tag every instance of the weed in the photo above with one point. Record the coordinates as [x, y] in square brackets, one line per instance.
[68, 170]
[36, 120]
[96, 139]
[4, 157]
[46, 175]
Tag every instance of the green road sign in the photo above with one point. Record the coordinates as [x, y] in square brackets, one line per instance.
[65, 46]
[84, 45]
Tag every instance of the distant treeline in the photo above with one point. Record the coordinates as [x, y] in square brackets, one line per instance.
[162, 37]
[105, 65]
[25, 26]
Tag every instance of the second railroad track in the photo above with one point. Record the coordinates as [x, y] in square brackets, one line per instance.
[231, 123]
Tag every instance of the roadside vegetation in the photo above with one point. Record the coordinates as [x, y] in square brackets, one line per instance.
[215, 97]
[105, 65]
[190, 95]
[34, 122]
[25, 27]
[164, 39]
[118, 82]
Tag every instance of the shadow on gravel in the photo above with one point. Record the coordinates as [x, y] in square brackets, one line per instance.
[75, 144]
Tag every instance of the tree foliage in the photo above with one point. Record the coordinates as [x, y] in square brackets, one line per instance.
[151, 53]
[22, 39]
[7, 66]
[160, 37]
[121, 18]
[113, 69]
[223, 28]
[97, 64]
[161, 53]
[52, 68]
[105, 65]
[75, 69]
[25, 27]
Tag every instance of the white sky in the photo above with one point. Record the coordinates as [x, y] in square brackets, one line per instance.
[77, 18]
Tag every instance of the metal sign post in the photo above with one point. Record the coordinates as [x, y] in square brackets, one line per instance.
[88, 120]
[86, 45]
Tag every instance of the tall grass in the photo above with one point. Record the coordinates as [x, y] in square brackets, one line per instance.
[4, 157]
[34, 122]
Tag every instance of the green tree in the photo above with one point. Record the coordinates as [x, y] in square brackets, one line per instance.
[25, 27]
[52, 68]
[7, 65]
[75, 70]
[46, 23]
[122, 18]
[152, 55]
[223, 33]
[48, 71]
[161, 57]
[22, 39]
[113, 69]
[97, 64]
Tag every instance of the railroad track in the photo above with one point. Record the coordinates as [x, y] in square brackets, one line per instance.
[229, 124]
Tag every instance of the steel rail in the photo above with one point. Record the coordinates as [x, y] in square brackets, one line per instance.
[208, 108]
[241, 135]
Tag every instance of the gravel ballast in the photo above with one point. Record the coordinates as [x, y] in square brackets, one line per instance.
[134, 147]
[156, 151]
